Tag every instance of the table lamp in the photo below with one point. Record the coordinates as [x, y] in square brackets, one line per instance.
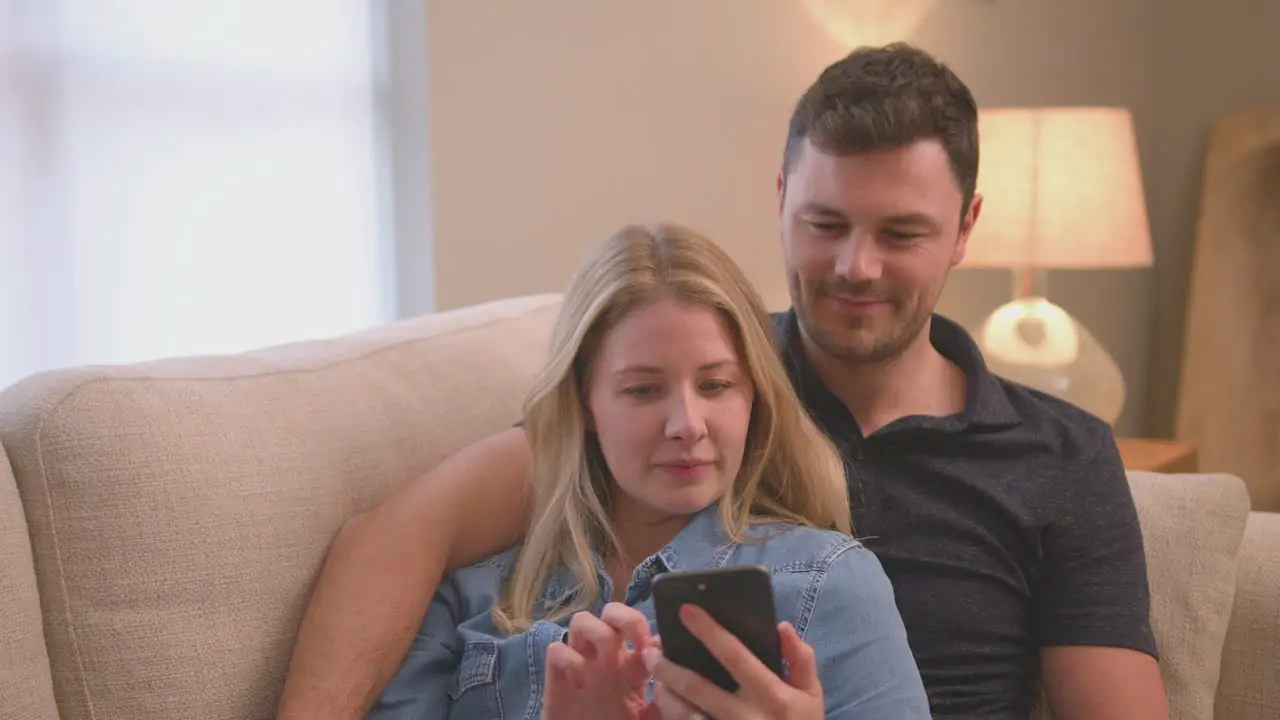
[1062, 189]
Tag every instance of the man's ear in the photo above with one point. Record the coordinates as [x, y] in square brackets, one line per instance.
[966, 226]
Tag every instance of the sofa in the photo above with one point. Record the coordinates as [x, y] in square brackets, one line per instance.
[162, 524]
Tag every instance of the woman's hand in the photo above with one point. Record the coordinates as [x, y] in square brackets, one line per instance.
[595, 675]
[681, 694]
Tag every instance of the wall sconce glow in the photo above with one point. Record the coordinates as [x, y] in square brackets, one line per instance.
[868, 22]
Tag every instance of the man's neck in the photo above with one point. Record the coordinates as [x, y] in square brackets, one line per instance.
[917, 381]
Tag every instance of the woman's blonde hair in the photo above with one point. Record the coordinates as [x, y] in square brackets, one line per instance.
[790, 470]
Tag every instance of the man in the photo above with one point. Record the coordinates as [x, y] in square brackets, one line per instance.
[1002, 516]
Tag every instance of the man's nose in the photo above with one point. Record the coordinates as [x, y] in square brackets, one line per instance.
[859, 258]
[685, 421]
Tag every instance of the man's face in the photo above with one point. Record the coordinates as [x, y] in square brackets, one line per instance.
[869, 240]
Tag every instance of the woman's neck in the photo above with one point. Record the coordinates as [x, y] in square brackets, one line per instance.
[640, 532]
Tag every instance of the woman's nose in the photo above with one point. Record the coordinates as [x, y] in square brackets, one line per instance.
[685, 421]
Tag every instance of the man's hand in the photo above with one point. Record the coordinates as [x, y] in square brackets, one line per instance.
[596, 675]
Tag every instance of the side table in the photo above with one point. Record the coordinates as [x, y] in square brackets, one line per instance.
[1165, 456]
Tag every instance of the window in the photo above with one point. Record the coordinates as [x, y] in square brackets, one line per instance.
[182, 177]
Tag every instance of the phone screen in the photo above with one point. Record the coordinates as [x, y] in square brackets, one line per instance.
[739, 598]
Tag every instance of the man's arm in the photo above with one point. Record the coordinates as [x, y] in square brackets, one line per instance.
[1103, 683]
[420, 687]
[1093, 610]
[384, 567]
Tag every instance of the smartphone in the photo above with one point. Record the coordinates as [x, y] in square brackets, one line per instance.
[740, 598]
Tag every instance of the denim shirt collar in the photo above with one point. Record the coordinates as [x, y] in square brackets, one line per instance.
[702, 543]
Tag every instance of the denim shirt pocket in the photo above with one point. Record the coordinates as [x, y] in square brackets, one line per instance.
[474, 689]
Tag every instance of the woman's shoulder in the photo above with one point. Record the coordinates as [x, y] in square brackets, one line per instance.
[788, 547]
[479, 584]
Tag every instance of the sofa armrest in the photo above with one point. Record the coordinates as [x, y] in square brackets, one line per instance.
[26, 682]
[1249, 686]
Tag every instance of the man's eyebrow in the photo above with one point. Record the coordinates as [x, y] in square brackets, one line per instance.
[652, 370]
[911, 218]
[826, 211]
[907, 218]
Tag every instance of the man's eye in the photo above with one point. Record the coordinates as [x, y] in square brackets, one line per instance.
[902, 235]
[827, 228]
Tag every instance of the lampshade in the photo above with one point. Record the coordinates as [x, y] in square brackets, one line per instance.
[1061, 188]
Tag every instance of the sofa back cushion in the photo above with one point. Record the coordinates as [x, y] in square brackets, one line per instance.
[180, 510]
[1250, 683]
[1192, 526]
[26, 692]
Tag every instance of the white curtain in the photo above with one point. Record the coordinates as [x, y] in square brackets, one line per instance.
[182, 177]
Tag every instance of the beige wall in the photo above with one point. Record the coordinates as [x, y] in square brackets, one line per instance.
[553, 122]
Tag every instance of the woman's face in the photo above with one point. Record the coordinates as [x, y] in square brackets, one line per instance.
[670, 402]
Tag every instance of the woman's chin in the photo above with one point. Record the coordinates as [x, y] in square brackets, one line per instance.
[689, 501]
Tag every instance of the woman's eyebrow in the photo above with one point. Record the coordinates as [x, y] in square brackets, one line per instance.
[641, 369]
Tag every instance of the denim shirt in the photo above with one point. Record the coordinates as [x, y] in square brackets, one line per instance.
[827, 585]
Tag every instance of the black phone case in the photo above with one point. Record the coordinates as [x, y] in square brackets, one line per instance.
[740, 598]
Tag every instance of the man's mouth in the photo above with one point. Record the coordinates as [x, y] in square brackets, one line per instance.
[857, 304]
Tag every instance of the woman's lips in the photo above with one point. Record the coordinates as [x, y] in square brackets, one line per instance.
[686, 470]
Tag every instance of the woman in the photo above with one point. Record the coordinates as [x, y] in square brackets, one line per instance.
[665, 436]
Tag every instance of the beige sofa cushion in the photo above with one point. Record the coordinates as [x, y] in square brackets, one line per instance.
[1192, 526]
[25, 690]
[180, 510]
[1250, 685]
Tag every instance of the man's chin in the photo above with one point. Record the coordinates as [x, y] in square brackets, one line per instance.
[856, 345]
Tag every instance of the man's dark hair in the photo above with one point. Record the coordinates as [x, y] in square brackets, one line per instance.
[887, 97]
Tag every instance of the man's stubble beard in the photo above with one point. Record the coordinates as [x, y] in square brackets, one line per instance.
[886, 345]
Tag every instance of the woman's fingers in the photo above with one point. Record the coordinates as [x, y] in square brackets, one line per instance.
[736, 658]
[689, 688]
[595, 640]
[628, 621]
[564, 665]
[668, 705]
[634, 626]
[802, 665]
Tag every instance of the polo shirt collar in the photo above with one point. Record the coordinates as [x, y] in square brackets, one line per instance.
[986, 402]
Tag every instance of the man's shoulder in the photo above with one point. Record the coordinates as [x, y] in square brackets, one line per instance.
[1069, 430]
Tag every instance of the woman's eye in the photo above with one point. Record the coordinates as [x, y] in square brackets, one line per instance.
[641, 390]
[715, 386]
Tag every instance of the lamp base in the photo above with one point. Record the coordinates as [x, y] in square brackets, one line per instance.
[1035, 343]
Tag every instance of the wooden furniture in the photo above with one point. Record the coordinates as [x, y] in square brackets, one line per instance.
[1166, 456]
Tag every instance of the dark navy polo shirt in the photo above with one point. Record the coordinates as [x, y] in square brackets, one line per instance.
[1007, 527]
